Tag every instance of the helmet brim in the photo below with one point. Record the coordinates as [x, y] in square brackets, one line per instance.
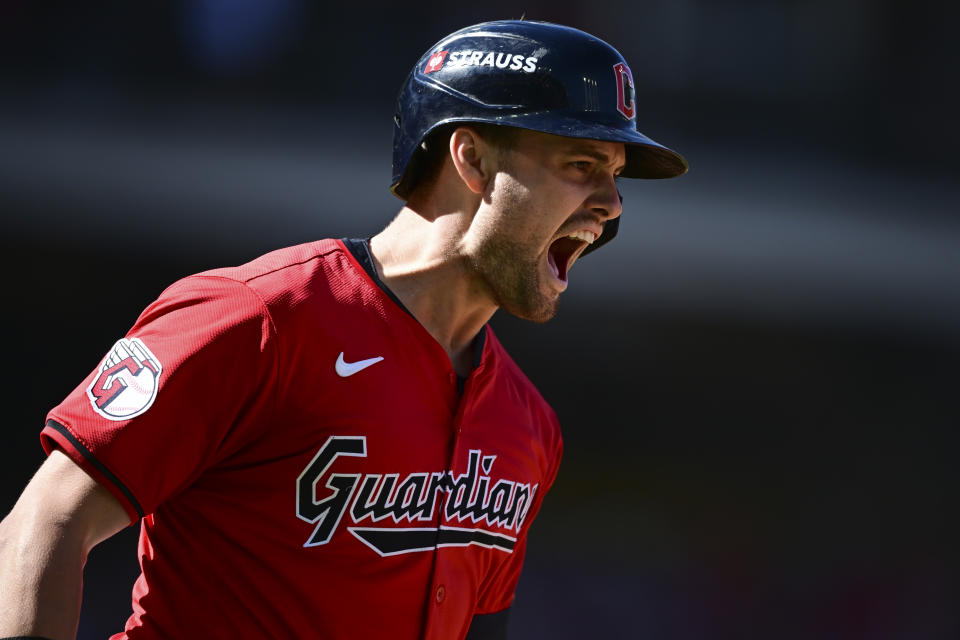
[645, 158]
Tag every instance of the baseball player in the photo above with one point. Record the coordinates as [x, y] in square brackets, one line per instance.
[329, 441]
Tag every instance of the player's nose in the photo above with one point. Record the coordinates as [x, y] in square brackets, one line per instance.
[606, 200]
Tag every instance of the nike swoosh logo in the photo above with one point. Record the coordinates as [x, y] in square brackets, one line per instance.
[345, 369]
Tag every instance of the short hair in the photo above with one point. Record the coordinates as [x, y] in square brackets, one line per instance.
[427, 160]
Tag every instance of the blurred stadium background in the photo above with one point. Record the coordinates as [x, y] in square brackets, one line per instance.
[757, 380]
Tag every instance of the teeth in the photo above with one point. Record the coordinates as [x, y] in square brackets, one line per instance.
[586, 236]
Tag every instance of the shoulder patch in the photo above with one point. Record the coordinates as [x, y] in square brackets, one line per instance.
[127, 382]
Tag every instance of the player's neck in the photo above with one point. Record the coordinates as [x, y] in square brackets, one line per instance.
[416, 258]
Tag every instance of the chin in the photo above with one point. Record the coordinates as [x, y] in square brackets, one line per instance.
[543, 316]
[539, 310]
[517, 284]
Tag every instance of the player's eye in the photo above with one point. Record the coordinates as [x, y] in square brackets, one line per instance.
[581, 165]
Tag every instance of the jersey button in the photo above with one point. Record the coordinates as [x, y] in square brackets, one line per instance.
[441, 594]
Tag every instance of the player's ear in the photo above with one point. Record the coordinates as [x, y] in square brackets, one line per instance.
[472, 158]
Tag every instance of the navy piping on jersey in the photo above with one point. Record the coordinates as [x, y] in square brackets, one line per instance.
[360, 249]
[62, 430]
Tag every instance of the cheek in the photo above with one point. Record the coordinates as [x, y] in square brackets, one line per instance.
[532, 210]
[508, 193]
[512, 206]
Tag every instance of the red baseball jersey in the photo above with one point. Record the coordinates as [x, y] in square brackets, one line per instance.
[303, 461]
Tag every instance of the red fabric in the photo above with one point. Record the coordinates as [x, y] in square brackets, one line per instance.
[249, 399]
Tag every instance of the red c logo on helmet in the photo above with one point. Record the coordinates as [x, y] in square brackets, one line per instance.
[625, 91]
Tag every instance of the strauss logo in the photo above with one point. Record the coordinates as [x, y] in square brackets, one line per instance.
[435, 63]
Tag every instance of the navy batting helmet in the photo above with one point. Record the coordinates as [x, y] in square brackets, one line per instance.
[532, 75]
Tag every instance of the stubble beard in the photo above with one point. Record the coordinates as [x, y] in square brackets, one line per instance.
[510, 268]
[511, 271]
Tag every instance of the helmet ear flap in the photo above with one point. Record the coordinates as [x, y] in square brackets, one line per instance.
[610, 228]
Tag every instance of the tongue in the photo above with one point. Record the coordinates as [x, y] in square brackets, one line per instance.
[551, 261]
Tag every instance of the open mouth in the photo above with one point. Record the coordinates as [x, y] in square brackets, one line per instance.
[565, 250]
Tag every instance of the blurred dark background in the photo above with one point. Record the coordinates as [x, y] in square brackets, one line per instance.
[757, 380]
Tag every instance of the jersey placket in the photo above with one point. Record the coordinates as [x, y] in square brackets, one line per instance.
[448, 590]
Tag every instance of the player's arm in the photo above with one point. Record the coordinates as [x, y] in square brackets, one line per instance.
[44, 542]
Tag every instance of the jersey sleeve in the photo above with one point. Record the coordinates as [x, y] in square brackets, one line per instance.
[498, 590]
[190, 383]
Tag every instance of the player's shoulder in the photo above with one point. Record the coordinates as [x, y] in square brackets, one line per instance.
[290, 273]
[516, 392]
[279, 265]
[282, 278]
[510, 374]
